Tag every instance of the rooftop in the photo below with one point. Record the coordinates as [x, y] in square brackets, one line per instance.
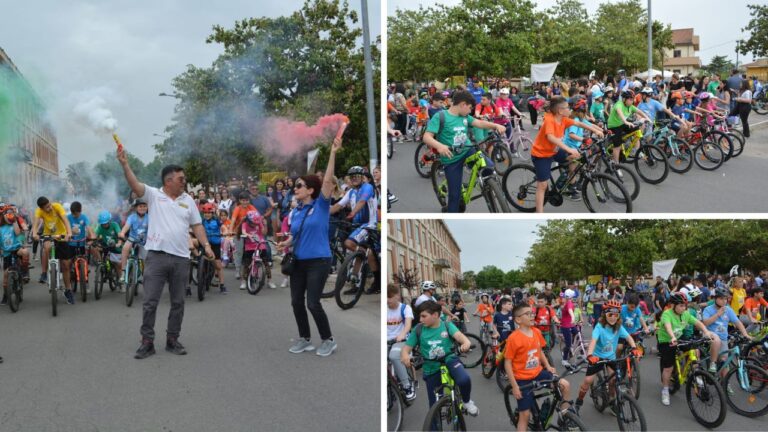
[685, 37]
[682, 61]
[763, 62]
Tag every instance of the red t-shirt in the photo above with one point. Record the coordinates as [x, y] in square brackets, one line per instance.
[542, 148]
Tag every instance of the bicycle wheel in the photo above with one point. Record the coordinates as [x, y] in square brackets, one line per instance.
[12, 291]
[739, 141]
[502, 380]
[495, 199]
[488, 365]
[752, 401]
[708, 155]
[519, 186]
[82, 280]
[395, 406]
[570, 422]
[523, 148]
[604, 194]
[131, 285]
[626, 177]
[349, 284]
[705, 398]
[501, 157]
[203, 267]
[328, 289]
[682, 162]
[599, 398]
[98, 282]
[53, 279]
[439, 184]
[444, 415]
[651, 164]
[509, 399]
[389, 147]
[423, 160]
[722, 140]
[633, 382]
[760, 106]
[474, 356]
[629, 415]
[256, 277]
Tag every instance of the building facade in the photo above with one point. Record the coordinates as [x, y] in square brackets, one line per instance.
[426, 246]
[27, 142]
[758, 68]
[683, 58]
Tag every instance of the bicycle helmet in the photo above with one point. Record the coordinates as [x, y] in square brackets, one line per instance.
[427, 285]
[104, 217]
[676, 95]
[693, 293]
[678, 298]
[446, 93]
[609, 89]
[569, 293]
[647, 91]
[597, 95]
[627, 94]
[611, 304]
[137, 202]
[504, 91]
[253, 217]
[580, 104]
[705, 96]
[637, 84]
[10, 214]
[356, 170]
[209, 208]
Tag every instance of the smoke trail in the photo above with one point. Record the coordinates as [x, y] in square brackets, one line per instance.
[284, 137]
[91, 110]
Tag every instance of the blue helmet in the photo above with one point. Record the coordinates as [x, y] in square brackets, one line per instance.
[104, 217]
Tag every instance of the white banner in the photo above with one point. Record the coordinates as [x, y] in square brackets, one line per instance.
[543, 72]
[663, 268]
[311, 158]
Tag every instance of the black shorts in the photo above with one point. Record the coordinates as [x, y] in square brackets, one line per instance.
[216, 248]
[595, 368]
[667, 355]
[620, 132]
[63, 250]
[7, 259]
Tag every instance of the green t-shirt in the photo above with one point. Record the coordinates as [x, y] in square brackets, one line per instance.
[597, 110]
[678, 322]
[435, 342]
[689, 329]
[614, 120]
[712, 87]
[454, 134]
[108, 235]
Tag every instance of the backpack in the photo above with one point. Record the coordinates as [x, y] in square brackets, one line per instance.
[441, 117]
[402, 312]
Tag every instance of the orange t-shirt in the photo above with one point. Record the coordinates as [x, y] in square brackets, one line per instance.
[239, 213]
[525, 352]
[482, 307]
[542, 148]
[753, 305]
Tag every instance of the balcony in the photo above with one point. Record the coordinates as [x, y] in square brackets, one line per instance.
[442, 263]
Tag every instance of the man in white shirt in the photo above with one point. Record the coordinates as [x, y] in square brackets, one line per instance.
[173, 213]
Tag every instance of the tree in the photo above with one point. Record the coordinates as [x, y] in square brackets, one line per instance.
[513, 278]
[407, 279]
[757, 43]
[468, 280]
[719, 65]
[490, 277]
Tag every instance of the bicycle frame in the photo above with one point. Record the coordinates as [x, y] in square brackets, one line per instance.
[81, 258]
[692, 358]
[134, 263]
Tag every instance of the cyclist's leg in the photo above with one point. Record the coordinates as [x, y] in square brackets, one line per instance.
[566, 332]
[245, 265]
[125, 252]
[218, 264]
[589, 377]
[358, 236]
[64, 255]
[400, 371]
[45, 253]
[238, 260]
[453, 175]
[667, 362]
[461, 378]
[432, 381]
[267, 268]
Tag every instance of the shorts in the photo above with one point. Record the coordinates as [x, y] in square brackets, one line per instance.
[115, 257]
[595, 368]
[675, 126]
[359, 235]
[526, 402]
[667, 355]
[248, 256]
[216, 248]
[63, 251]
[620, 132]
[543, 166]
[7, 259]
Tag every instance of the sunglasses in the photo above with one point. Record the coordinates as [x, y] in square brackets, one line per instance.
[611, 314]
[299, 186]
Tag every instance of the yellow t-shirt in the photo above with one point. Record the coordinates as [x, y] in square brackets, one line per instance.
[53, 222]
[739, 294]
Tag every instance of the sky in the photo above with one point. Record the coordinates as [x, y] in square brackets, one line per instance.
[718, 23]
[503, 243]
[125, 51]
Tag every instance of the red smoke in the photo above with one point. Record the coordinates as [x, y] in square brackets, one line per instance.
[285, 137]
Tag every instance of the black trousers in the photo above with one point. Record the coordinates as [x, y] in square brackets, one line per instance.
[308, 279]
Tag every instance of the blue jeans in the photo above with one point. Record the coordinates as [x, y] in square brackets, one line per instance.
[454, 174]
[568, 334]
[459, 375]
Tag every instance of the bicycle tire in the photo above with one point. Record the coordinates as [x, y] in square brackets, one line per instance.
[708, 390]
[708, 155]
[435, 175]
[755, 375]
[453, 412]
[760, 107]
[11, 292]
[627, 177]
[508, 398]
[82, 280]
[474, 356]
[634, 381]
[524, 146]
[356, 289]
[53, 280]
[502, 380]
[738, 136]
[606, 190]
[519, 186]
[390, 146]
[599, 398]
[488, 365]
[722, 140]
[130, 286]
[327, 288]
[98, 282]
[570, 421]
[422, 168]
[256, 279]
[650, 156]
[682, 162]
[501, 157]
[202, 276]
[494, 197]
[634, 412]
[395, 406]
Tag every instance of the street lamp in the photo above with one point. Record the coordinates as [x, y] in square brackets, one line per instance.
[650, 43]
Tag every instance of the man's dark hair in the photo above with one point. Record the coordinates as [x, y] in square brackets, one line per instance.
[504, 300]
[463, 96]
[244, 196]
[429, 306]
[541, 296]
[633, 299]
[42, 202]
[437, 97]
[168, 170]
[76, 207]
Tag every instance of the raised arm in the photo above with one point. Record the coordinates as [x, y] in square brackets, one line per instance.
[136, 186]
[328, 184]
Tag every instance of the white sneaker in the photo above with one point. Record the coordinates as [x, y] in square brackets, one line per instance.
[566, 364]
[242, 285]
[285, 283]
[471, 408]
[271, 285]
[665, 397]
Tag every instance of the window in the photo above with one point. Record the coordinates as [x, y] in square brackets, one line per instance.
[398, 227]
[677, 71]
[416, 235]
[409, 231]
[677, 53]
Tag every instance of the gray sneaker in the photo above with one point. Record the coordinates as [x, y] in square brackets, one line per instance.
[301, 345]
[326, 348]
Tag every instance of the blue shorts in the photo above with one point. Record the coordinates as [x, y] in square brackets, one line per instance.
[359, 235]
[675, 126]
[543, 166]
[526, 402]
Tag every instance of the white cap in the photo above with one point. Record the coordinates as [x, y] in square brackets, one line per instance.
[504, 91]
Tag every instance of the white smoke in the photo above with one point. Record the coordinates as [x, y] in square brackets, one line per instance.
[92, 112]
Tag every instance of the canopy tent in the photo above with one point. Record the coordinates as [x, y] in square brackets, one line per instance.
[663, 268]
[543, 72]
[644, 74]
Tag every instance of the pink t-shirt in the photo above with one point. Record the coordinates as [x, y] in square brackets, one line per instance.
[565, 320]
[505, 105]
[712, 106]
[253, 230]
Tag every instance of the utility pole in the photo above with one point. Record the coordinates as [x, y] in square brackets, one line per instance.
[372, 149]
[650, 43]
[738, 43]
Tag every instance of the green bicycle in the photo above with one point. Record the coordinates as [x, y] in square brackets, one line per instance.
[650, 161]
[486, 179]
[447, 413]
[132, 275]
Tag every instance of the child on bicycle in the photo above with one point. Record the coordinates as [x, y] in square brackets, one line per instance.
[716, 317]
[255, 229]
[525, 362]
[10, 229]
[543, 317]
[435, 339]
[503, 321]
[568, 326]
[460, 311]
[618, 121]
[750, 313]
[213, 229]
[108, 233]
[549, 145]
[399, 320]
[448, 132]
[136, 226]
[603, 346]
[597, 110]
[485, 311]
[227, 239]
[632, 318]
[574, 138]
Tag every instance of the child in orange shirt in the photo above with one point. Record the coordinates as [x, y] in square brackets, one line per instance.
[750, 313]
[485, 311]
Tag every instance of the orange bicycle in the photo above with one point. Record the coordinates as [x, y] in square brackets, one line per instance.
[80, 264]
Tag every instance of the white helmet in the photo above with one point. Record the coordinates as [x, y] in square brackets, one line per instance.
[427, 285]
[569, 293]
[693, 292]
[637, 84]
[647, 90]
[504, 91]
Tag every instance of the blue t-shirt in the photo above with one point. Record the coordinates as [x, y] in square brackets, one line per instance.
[432, 111]
[368, 214]
[631, 320]
[505, 324]
[261, 203]
[607, 341]
[10, 241]
[312, 241]
[423, 103]
[720, 326]
[652, 108]
[139, 227]
[213, 230]
[579, 132]
[679, 110]
[478, 93]
[79, 226]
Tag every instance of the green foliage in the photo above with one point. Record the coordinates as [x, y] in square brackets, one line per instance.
[719, 65]
[514, 278]
[490, 277]
[468, 280]
[757, 43]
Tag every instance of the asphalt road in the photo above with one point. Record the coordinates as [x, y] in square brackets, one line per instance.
[493, 415]
[76, 372]
[730, 189]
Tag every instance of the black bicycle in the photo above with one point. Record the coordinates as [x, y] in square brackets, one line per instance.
[354, 272]
[338, 250]
[14, 290]
[611, 390]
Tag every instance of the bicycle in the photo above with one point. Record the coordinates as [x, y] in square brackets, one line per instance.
[542, 416]
[578, 347]
[497, 150]
[737, 137]
[355, 271]
[256, 274]
[338, 249]
[623, 403]
[105, 272]
[760, 102]
[520, 143]
[488, 182]
[485, 332]
[649, 160]
[750, 380]
[14, 289]
[55, 284]
[205, 270]
[133, 272]
[448, 405]
[707, 154]
[678, 151]
[519, 184]
[601, 158]
[423, 158]
[493, 361]
[470, 359]
[80, 271]
[699, 383]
